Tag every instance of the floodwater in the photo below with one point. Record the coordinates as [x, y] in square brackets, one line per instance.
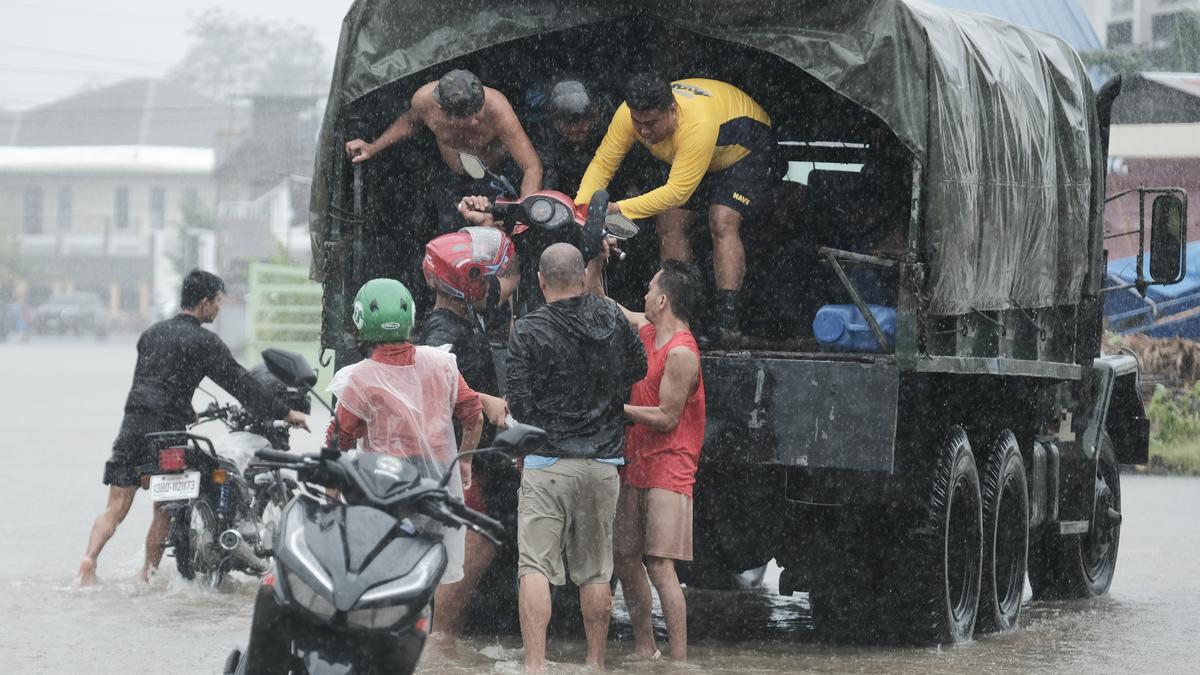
[61, 404]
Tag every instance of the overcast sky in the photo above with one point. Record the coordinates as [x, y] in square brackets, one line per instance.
[52, 48]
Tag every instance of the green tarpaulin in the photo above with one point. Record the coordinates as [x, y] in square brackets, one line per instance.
[1001, 118]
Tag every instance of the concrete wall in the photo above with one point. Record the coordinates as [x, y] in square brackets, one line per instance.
[1141, 13]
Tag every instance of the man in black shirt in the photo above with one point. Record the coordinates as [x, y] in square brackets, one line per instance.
[570, 134]
[173, 357]
[571, 364]
[468, 270]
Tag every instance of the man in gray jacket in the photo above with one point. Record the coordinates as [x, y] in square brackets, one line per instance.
[571, 363]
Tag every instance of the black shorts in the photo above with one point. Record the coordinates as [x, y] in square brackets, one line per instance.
[742, 186]
[131, 450]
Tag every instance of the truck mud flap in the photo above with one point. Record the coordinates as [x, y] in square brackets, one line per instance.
[806, 413]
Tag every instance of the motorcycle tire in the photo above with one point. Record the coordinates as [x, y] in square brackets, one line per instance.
[195, 541]
[269, 502]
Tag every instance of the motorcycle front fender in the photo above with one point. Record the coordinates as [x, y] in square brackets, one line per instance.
[281, 640]
[328, 652]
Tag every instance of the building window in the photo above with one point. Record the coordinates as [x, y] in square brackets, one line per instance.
[191, 197]
[1122, 6]
[121, 208]
[1162, 26]
[66, 207]
[158, 208]
[32, 223]
[1120, 33]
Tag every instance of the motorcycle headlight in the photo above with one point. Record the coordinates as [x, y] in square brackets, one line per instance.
[379, 617]
[306, 597]
[422, 576]
[297, 543]
[541, 211]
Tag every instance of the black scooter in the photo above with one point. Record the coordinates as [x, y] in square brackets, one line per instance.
[353, 582]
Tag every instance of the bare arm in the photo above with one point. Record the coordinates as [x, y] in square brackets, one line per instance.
[471, 431]
[470, 441]
[476, 210]
[512, 134]
[404, 126]
[495, 410]
[594, 282]
[680, 376]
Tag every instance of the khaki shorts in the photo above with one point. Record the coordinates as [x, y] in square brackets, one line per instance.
[567, 508]
[653, 522]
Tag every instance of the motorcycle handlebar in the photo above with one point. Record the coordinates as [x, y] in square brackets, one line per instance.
[467, 513]
[438, 511]
[455, 514]
[277, 456]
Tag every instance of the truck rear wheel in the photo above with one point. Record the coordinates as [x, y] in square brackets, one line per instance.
[1082, 566]
[1005, 535]
[944, 556]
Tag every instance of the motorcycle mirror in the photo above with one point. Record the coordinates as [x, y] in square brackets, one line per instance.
[619, 226]
[291, 368]
[474, 166]
[520, 440]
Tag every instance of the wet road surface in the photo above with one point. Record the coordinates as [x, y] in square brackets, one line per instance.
[61, 404]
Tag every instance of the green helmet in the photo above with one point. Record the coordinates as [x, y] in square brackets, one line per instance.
[383, 311]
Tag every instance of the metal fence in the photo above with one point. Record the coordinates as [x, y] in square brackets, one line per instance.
[283, 310]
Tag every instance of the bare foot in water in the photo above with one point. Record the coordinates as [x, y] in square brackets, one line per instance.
[87, 572]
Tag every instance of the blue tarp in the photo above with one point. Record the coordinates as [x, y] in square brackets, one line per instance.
[1128, 312]
[1063, 18]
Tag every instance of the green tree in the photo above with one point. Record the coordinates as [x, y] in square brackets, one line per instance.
[232, 55]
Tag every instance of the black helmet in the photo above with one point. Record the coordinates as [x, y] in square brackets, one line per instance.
[569, 99]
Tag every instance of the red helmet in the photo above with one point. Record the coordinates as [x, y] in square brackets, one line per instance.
[460, 263]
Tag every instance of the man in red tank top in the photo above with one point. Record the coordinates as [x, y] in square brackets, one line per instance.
[653, 527]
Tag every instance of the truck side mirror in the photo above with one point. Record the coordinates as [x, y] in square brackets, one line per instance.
[1168, 239]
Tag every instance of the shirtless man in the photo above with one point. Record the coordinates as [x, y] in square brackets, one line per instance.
[464, 116]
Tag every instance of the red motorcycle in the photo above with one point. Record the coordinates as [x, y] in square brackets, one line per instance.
[549, 211]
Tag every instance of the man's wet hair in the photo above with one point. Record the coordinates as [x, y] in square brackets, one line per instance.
[680, 282]
[561, 266]
[199, 285]
[648, 91]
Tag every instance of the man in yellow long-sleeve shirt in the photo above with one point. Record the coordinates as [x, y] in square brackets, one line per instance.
[719, 145]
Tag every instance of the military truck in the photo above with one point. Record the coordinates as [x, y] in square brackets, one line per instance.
[953, 163]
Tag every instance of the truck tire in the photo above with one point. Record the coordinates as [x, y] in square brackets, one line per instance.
[1005, 536]
[940, 580]
[1082, 566]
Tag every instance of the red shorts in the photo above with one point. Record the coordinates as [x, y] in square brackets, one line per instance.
[473, 496]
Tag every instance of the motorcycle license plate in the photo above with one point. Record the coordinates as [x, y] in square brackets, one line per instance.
[173, 486]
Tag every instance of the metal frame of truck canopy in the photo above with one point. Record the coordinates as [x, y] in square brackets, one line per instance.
[1003, 262]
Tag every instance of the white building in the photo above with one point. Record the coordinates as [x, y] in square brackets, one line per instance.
[95, 192]
[1135, 23]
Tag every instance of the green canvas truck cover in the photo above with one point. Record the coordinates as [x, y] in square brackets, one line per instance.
[1001, 118]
